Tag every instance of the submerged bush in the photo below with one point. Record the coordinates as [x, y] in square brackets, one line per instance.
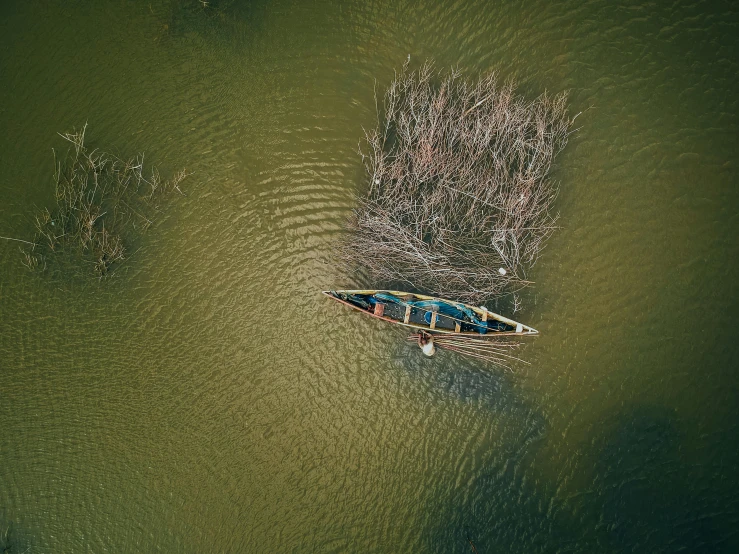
[458, 198]
[101, 201]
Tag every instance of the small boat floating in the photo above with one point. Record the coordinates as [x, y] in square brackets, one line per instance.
[430, 314]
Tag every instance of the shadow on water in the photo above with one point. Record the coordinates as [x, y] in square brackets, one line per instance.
[650, 496]
[647, 498]
[502, 508]
[498, 504]
[454, 376]
[12, 538]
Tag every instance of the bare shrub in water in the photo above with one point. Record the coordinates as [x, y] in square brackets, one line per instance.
[100, 199]
[458, 188]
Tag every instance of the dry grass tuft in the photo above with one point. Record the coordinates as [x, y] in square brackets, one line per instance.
[100, 200]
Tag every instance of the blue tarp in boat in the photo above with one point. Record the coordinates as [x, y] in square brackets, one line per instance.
[454, 310]
[451, 309]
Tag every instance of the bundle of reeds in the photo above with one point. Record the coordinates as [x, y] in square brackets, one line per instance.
[458, 199]
[490, 349]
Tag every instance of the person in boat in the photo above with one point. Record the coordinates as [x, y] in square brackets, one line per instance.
[426, 342]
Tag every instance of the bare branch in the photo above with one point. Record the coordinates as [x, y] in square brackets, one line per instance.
[458, 199]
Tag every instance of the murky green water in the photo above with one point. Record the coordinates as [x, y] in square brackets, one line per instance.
[208, 399]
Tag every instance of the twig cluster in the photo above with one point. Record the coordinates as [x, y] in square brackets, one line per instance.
[459, 200]
[99, 199]
[495, 350]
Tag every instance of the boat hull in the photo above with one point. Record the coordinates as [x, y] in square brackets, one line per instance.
[431, 314]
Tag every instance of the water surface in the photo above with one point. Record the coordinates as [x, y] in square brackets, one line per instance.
[207, 398]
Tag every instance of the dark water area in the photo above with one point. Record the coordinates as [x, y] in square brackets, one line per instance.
[206, 397]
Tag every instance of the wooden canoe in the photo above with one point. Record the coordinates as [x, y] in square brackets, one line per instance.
[429, 313]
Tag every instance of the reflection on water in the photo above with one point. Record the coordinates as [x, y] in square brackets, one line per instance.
[209, 398]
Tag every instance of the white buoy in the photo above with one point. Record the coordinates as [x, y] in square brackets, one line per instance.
[502, 271]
